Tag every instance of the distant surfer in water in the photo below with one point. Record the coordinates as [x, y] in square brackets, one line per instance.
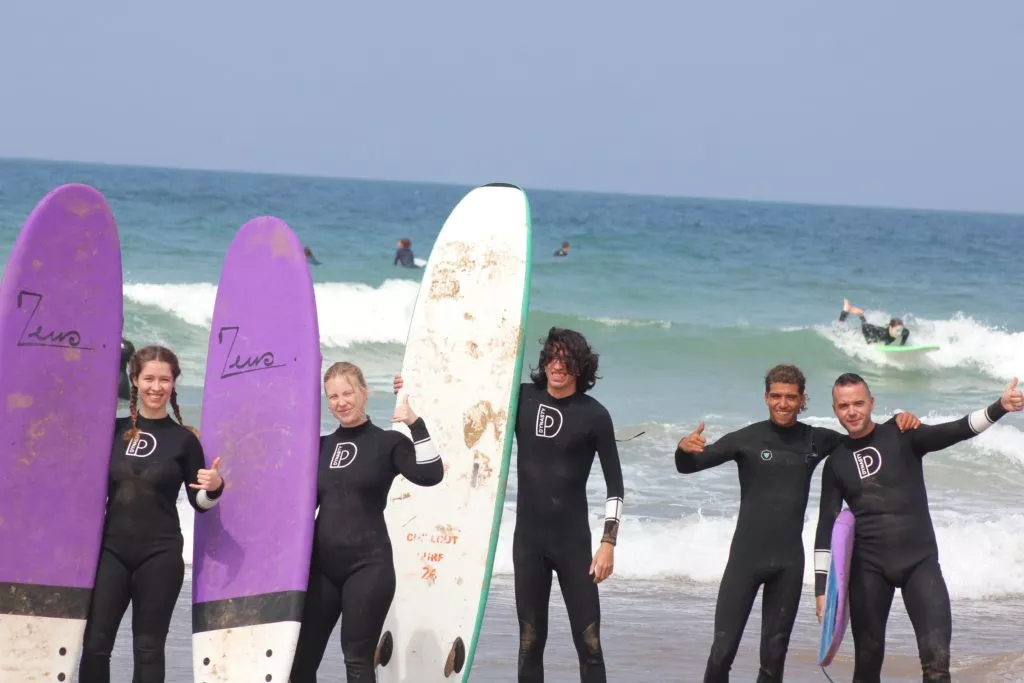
[123, 384]
[879, 473]
[775, 459]
[874, 334]
[310, 259]
[563, 251]
[403, 254]
[140, 553]
[352, 570]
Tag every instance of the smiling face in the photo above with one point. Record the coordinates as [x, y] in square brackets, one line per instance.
[155, 382]
[852, 404]
[560, 379]
[784, 401]
[346, 399]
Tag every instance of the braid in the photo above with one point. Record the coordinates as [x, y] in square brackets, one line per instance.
[177, 412]
[134, 406]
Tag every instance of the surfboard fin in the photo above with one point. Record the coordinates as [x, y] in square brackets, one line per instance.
[631, 438]
[456, 658]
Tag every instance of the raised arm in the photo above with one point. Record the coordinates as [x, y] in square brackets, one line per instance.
[418, 460]
[930, 438]
[693, 455]
[203, 486]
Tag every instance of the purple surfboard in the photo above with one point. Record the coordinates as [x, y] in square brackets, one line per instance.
[261, 416]
[60, 333]
[836, 614]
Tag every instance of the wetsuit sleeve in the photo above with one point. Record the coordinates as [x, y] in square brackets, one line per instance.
[825, 440]
[200, 500]
[828, 509]
[928, 438]
[418, 460]
[608, 452]
[725, 449]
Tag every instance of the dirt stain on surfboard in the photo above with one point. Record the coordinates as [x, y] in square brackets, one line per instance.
[477, 419]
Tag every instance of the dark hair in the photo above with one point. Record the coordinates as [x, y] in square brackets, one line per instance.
[850, 379]
[580, 360]
[895, 321]
[785, 374]
[145, 355]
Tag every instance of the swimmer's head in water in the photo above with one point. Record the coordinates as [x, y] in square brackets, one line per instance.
[784, 395]
[153, 372]
[347, 393]
[405, 243]
[566, 359]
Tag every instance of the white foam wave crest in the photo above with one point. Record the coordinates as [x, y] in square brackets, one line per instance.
[348, 313]
[963, 343]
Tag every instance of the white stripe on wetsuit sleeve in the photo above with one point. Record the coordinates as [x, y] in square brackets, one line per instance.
[204, 501]
[613, 509]
[425, 451]
[822, 561]
[980, 421]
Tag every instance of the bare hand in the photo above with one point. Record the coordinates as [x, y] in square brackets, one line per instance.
[604, 562]
[694, 441]
[1013, 399]
[403, 413]
[907, 421]
[399, 382]
[209, 480]
[820, 599]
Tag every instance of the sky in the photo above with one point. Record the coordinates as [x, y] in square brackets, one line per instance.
[917, 103]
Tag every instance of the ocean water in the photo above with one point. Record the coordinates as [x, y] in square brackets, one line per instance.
[688, 301]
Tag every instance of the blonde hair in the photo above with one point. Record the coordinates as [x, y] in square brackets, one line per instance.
[346, 369]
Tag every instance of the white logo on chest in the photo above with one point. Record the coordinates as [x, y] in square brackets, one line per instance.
[142, 446]
[549, 421]
[344, 455]
[868, 460]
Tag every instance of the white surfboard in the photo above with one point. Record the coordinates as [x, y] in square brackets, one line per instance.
[462, 369]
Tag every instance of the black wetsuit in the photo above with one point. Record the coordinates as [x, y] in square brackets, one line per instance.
[352, 570]
[557, 439]
[775, 466]
[404, 258]
[881, 477]
[123, 385]
[140, 558]
[874, 334]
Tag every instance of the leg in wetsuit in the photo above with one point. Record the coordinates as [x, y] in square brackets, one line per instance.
[927, 601]
[151, 580]
[780, 601]
[534, 560]
[362, 597]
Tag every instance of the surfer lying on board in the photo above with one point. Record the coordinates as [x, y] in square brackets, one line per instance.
[558, 431]
[874, 334]
[775, 459]
[140, 556]
[352, 572]
[879, 473]
[123, 384]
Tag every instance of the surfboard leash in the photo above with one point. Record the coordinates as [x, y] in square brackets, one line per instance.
[826, 675]
[630, 438]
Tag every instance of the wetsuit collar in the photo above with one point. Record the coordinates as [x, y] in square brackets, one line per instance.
[358, 429]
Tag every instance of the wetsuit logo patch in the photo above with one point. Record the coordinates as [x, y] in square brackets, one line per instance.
[344, 455]
[142, 446]
[868, 460]
[766, 455]
[549, 421]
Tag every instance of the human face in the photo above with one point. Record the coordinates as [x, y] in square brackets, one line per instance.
[853, 404]
[155, 383]
[895, 331]
[784, 401]
[559, 379]
[347, 400]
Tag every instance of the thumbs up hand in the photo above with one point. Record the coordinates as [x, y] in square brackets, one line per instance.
[1012, 399]
[209, 480]
[694, 441]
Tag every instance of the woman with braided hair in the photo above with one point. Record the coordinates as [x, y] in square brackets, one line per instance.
[140, 558]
